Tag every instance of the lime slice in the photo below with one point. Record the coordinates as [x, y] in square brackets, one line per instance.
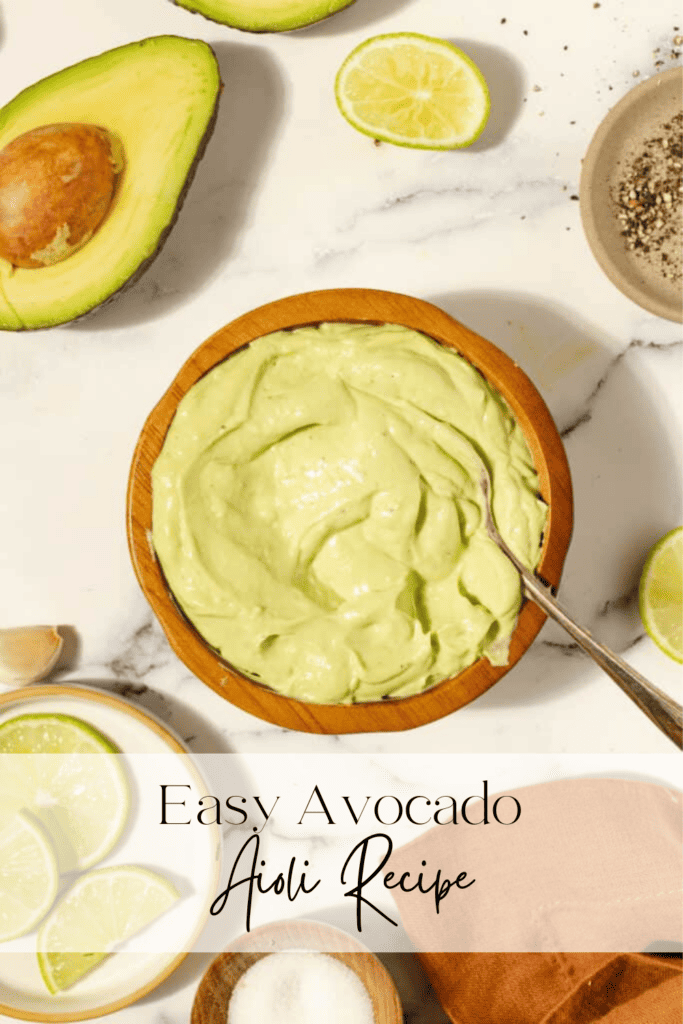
[413, 90]
[661, 594]
[28, 875]
[103, 908]
[69, 775]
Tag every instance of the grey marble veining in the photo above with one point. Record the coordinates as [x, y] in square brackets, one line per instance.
[289, 198]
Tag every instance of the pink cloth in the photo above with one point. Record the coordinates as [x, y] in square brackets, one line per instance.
[591, 864]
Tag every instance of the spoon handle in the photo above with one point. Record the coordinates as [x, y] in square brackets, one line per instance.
[661, 709]
[666, 713]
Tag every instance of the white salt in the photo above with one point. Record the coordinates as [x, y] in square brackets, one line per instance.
[300, 988]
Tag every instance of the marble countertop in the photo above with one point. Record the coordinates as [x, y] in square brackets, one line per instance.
[289, 198]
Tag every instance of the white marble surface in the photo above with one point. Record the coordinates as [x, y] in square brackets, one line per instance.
[289, 198]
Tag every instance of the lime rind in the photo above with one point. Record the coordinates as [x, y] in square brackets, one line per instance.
[100, 911]
[661, 594]
[29, 875]
[71, 777]
[90, 740]
[48, 975]
[456, 57]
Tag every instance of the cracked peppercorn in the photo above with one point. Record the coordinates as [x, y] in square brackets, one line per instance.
[649, 201]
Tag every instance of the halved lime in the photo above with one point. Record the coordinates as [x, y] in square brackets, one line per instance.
[413, 90]
[28, 875]
[661, 594]
[102, 909]
[69, 775]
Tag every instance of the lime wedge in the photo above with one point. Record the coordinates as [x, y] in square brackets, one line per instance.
[28, 875]
[102, 909]
[413, 90]
[69, 775]
[661, 594]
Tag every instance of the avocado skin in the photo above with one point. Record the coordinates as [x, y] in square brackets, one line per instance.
[285, 25]
[12, 315]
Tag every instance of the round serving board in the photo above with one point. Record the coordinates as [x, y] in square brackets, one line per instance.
[350, 305]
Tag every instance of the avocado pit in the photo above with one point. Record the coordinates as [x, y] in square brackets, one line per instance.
[57, 183]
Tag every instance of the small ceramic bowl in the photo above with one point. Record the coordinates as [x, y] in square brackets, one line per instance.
[124, 977]
[216, 987]
[637, 117]
[350, 305]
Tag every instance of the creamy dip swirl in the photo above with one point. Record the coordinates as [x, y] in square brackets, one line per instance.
[318, 515]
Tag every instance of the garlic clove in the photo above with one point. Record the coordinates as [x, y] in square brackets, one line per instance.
[28, 653]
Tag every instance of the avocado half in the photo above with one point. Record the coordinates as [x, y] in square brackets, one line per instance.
[265, 15]
[158, 98]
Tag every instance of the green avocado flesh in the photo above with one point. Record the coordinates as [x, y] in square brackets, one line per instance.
[265, 15]
[157, 98]
[319, 517]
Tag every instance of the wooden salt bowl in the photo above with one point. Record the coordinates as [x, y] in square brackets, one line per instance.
[213, 995]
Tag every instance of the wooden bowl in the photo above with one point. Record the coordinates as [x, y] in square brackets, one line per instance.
[350, 305]
[637, 117]
[216, 987]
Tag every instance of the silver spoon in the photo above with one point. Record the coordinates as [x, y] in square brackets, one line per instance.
[666, 713]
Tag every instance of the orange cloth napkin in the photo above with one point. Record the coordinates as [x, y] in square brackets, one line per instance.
[557, 988]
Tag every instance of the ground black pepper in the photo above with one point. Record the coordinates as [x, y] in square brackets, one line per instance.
[649, 199]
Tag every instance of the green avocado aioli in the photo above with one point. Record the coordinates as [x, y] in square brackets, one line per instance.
[317, 512]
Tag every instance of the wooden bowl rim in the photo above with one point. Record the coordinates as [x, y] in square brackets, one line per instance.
[204, 1003]
[349, 305]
